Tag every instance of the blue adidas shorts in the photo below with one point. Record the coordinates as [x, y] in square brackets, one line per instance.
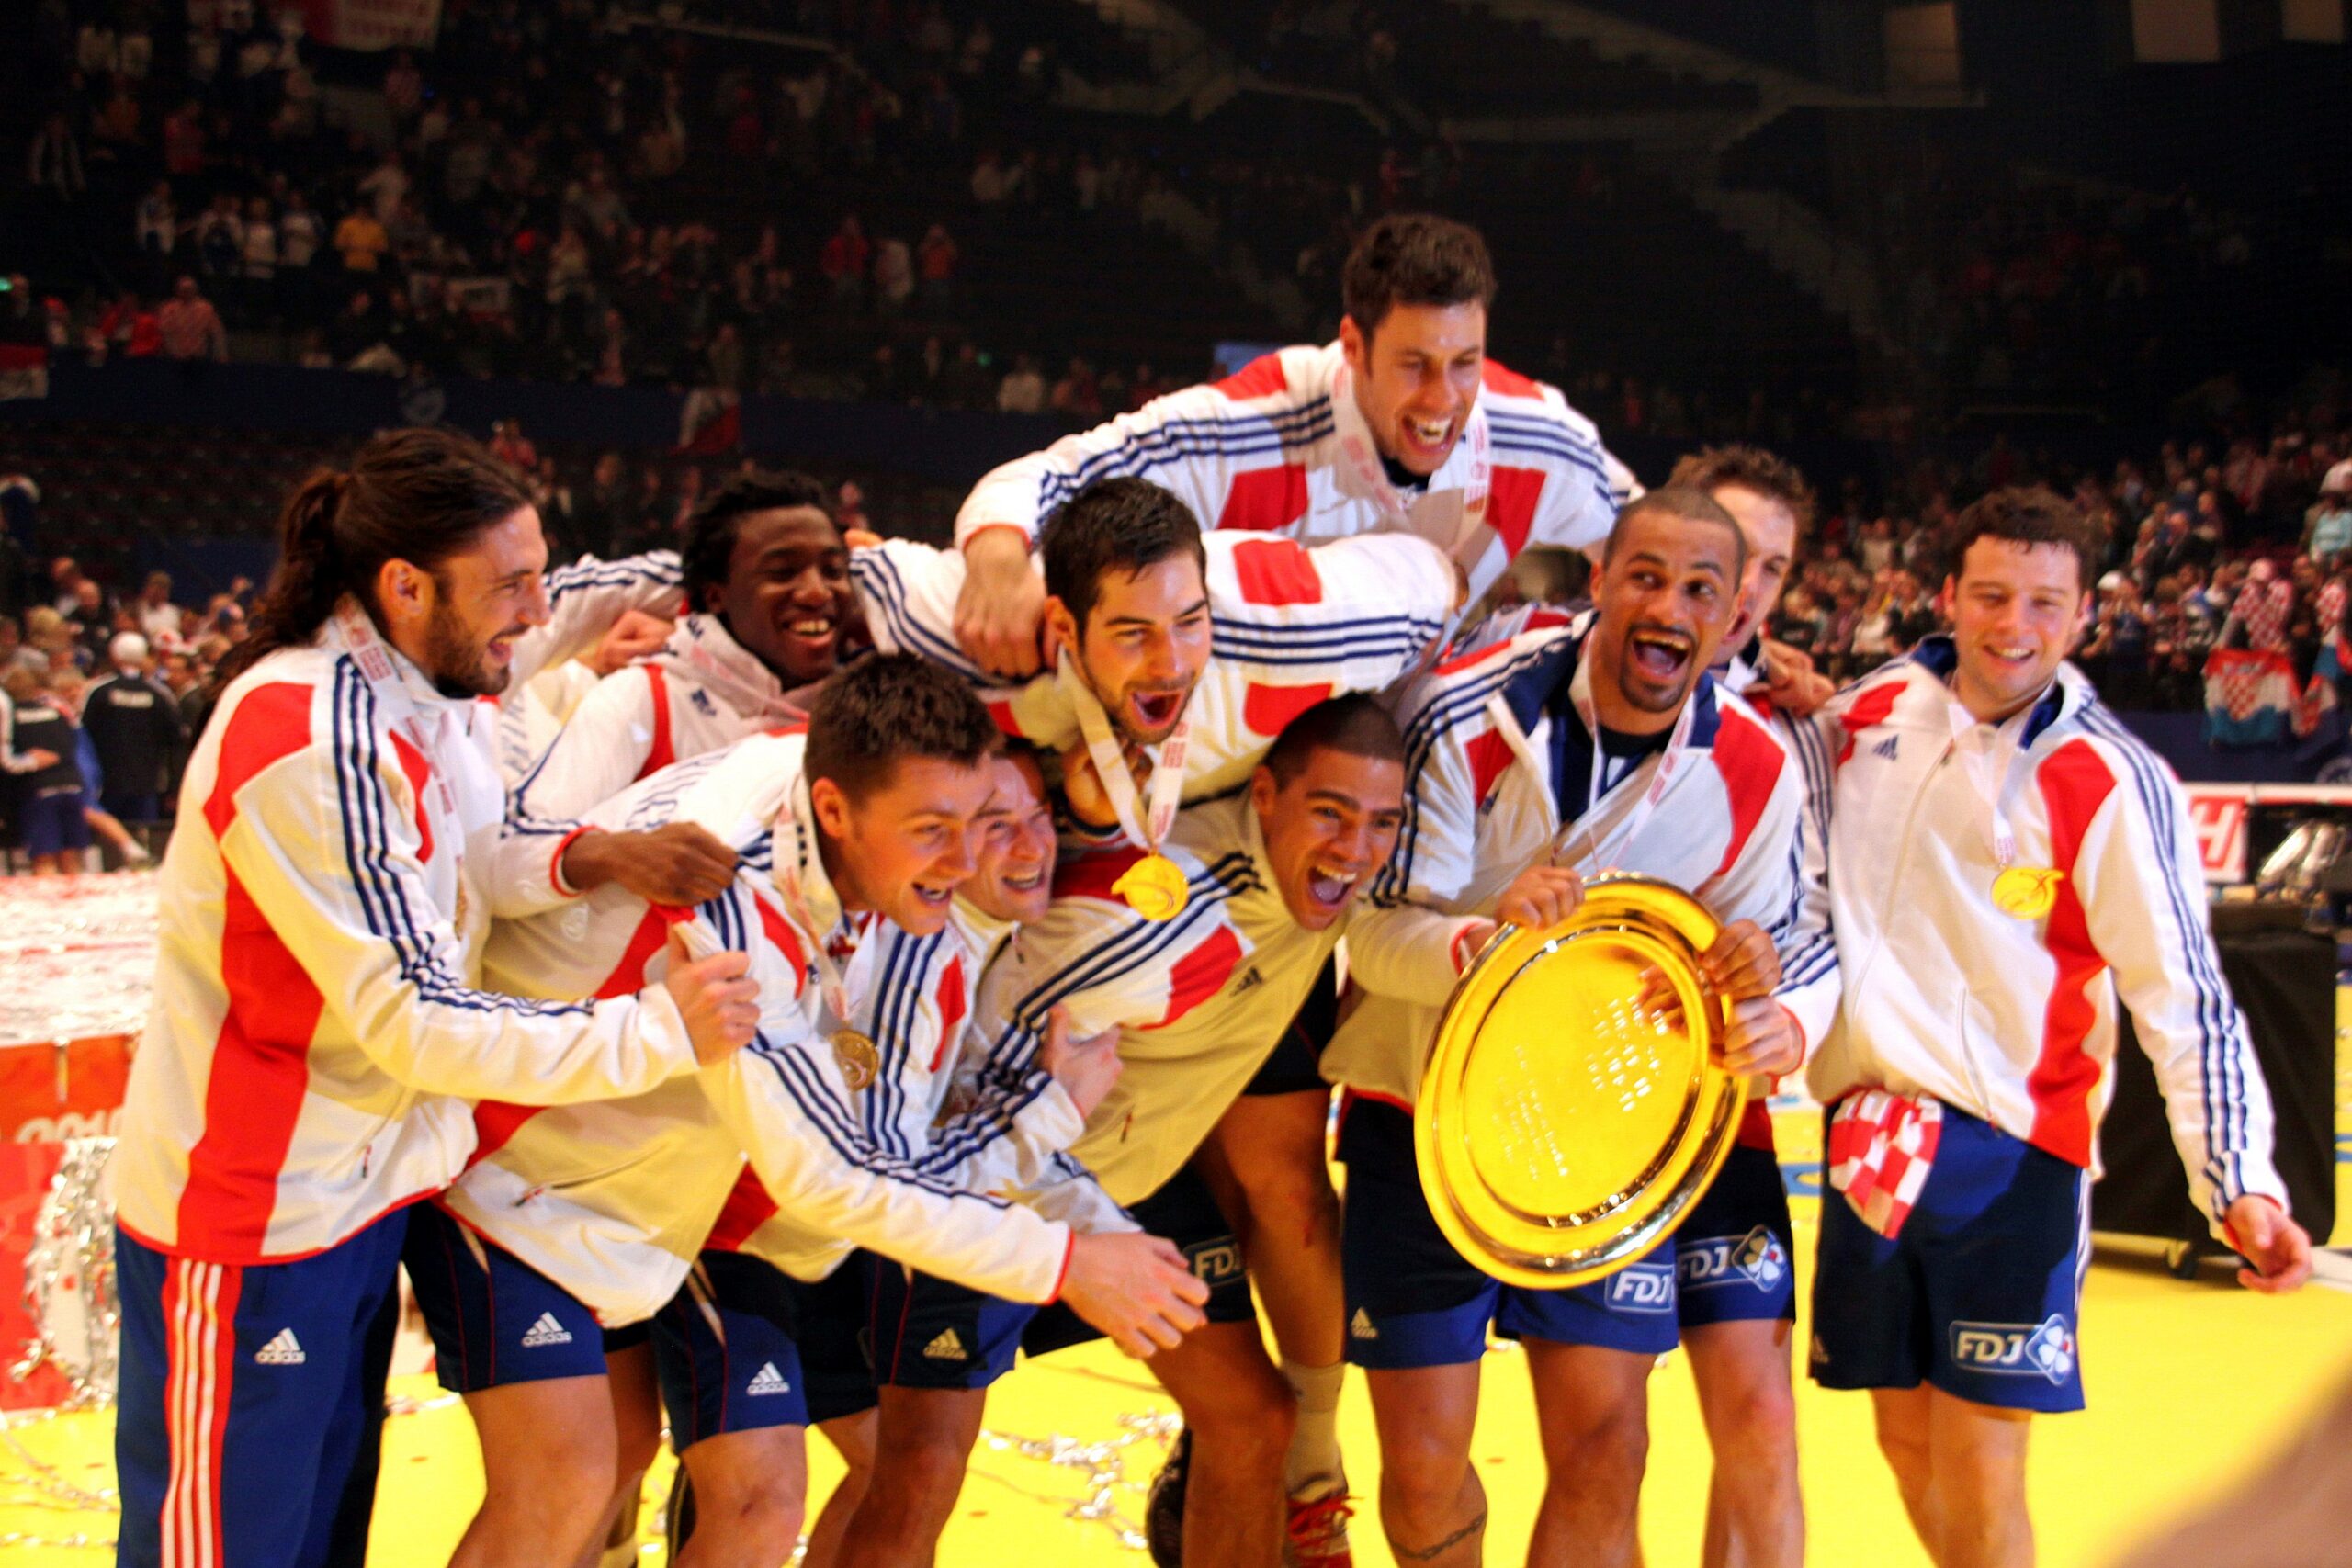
[494, 1319]
[1413, 1301]
[929, 1333]
[1980, 1294]
[743, 1347]
[920, 1321]
[252, 1401]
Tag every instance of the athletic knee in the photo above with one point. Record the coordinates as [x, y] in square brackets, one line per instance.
[747, 1518]
[565, 1475]
[1757, 1420]
[1609, 1446]
[1252, 1416]
[1422, 1467]
[928, 1471]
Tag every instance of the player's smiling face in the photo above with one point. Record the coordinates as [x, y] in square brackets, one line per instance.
[2016, 610]
[1328, 830]
[473, 604]
[1145, 644]
[1014, 879]
[1416, 379]
[900, 852]
[1667, 594]
[787, 590]
[1771, 532]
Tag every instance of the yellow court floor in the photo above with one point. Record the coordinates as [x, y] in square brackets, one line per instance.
[2190, 1385]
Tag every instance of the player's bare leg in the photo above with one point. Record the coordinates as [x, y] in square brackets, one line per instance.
[853, 1439]
[922, 1441]
[1901, 1418]
[548, 1456]
[1755, 1511]
[749, 1491]
[1267, 1164]
[1240, 1415]
[1592, 1409]
[636, 1426]
[1977, 1455]
[1431, 1506]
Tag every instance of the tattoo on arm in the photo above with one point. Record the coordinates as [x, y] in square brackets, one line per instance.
[1432, 1553]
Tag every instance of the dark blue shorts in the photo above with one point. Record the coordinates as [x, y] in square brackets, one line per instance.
[1294, 1065]
[1980, 1294]
[1413, 1301]
[267, 1381]
[931, 1332]
[921, 1322]
[494, 1319]
[743, 1347]
[53, 823]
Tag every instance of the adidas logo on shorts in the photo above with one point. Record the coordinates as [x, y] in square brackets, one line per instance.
[283, 1351]
[545, 1332]
[768, 1380]
[948, 1346]
[1360, 1326]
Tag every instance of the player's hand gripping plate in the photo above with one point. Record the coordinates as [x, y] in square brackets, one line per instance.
[1574, 1107]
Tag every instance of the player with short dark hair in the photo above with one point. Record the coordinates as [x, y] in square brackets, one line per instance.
[2005, 862]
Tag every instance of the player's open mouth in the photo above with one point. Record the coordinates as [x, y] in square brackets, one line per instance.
[1155, 710]
[1329, 889]
[1429, 439]
[931, 897]
[1658, 656]
[1023, 881]
[2017, 657]
[812, 631]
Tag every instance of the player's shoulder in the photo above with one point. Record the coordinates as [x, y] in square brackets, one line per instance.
[1299, 374]
[735, 791]
[1456, 694]
[2086, 752]
[1744, 738]
[292, 703]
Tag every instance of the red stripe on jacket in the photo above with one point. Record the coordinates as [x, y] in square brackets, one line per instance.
[2075, 783]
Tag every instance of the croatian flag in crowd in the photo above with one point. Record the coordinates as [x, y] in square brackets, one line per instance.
[2252, 698]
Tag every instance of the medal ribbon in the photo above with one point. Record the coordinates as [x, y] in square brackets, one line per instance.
[1670, 763]
[1167, 786]
[1990, 755]
[350, 626]
[830, 983]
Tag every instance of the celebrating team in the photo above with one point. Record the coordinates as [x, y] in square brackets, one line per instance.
[793, 1037]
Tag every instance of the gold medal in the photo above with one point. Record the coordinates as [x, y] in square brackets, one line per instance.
[858, 1059]
[1154, 888]
[2026, 891]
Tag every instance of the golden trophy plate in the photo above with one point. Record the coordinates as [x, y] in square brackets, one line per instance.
[1574, 1106]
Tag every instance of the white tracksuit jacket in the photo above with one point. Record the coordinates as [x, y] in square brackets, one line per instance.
[613, 1201]
[1291, 625]
[1905, 976]
[1199, 1000]
[1481, 807]
[319, 1034]
[1282, 447]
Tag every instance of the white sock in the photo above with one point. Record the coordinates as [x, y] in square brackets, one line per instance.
[1313, 1465]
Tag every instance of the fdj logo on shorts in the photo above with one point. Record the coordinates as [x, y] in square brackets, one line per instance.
[2016, 1349]
[1757, 1259]
[1213, 1262]
[1644, 1288]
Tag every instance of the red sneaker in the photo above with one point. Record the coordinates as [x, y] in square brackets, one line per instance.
[1318, 1533]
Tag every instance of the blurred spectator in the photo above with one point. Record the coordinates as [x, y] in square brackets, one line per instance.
[133, 722]
[1022, 390]
[189, 327]
[844, 260]
[159, 618]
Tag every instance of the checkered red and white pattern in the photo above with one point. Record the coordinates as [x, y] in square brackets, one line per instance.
[1882, 1146]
